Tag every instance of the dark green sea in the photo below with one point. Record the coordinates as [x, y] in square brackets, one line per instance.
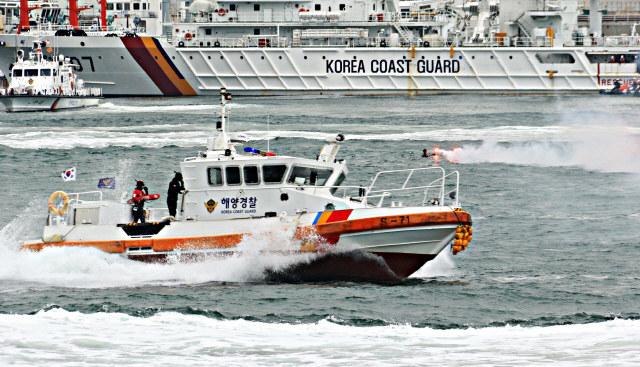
[551, 277]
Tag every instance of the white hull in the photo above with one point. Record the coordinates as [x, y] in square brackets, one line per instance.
[144, 66]
[24, 103]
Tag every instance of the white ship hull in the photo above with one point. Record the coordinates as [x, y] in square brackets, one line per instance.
[149, 66]
[26, 103]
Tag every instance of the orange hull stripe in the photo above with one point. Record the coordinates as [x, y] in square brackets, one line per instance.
[232, 240]
[181, 84]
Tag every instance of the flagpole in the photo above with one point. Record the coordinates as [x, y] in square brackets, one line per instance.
[75, 192]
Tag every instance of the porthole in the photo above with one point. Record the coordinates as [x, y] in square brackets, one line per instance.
[473, 57]
[190, 57]
[404, 57]
[221, 57]
[209, 57]
[262, 57]
[491, 57]
[173, 57]
[122, 57]
[354, 58]
[422, 57]
[241, 57]
[510, 57]
[156, 57]
[100, 57]
[280, 57]
[438, 57]
[305, 57]
[324, 57]
[82, 44]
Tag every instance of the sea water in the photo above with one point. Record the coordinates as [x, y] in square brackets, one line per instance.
[550, 278]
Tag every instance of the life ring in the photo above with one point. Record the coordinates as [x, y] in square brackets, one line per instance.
[65, 199]
[302, 10]
[222, 12]
[188, 37]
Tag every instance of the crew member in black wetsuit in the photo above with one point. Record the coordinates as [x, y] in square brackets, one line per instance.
[176, 186]
[616, 85]
[425, 153]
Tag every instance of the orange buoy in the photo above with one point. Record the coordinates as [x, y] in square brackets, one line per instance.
[188, 37]
[222, 12]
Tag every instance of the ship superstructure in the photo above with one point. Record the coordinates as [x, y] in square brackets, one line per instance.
[354, 47]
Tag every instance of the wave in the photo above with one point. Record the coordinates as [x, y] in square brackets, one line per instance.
[111, 107]
[192, 135]
[171, 338]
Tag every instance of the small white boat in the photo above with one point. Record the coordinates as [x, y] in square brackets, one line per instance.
[46, 84]
[339, 231]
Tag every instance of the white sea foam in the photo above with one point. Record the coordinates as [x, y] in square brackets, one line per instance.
[188, 135]
[112, 107]
[169, 339]
[607, 149]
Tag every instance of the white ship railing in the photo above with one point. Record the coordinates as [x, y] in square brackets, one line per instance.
[437, 186]
[74, 200]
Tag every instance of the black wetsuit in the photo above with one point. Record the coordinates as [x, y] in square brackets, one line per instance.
[175, 187]
[616, 86]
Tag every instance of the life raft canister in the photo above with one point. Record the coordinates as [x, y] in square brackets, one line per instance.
[65, 199]
[188, 37]
[222, 12]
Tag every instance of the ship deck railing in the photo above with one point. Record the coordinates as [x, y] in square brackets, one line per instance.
[430, 181]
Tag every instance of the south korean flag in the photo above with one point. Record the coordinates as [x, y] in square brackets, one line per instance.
[69, 175]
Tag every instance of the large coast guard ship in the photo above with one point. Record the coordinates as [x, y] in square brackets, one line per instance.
[284, 47]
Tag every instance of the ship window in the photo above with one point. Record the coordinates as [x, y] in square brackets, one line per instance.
[215, 176]
[55, 72]
[374, 7]
[127, 6]
[136, 6]
[251, 175]
[144, 6]
[343, 7]
[256, 7]
[110, 6]
[118, 6]
[311, 176]
[233, 175]
[31, 72]
[207, 31]
[555, 58]
[318, 7]
[339, 181]
[273, 173]
[45, 72]
[256, 31]
[17, 72]
[232, 7]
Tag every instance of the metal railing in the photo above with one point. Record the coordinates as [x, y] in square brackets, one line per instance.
[74, 199]
[437, 184]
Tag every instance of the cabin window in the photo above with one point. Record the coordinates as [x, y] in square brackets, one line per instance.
[338, 182]
[232, 7]
[110, 6]
[118, 6]
[374, 7]
[17, 72]
[555, 58]
[318, 7]
[55, 72]
[309, 176]
[127, 6]
[30, 72]
[45, 72]
[251, 175]
[256, 31]
[207, 31]
[343, 7]
[215, 176]
[136, 6]
[256, 7]
[233, 175]
[272, 174]
[144, 6]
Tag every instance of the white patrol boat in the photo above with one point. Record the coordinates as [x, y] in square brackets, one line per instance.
[46, 84]
[340, 232]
